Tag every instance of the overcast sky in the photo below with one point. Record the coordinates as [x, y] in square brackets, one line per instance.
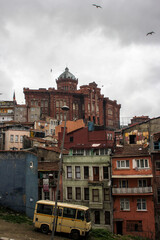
[107, 45]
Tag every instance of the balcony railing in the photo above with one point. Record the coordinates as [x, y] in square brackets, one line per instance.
[96, 183]
[132, 190]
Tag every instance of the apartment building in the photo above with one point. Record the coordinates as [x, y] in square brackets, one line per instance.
[132, 191]
[86, 181]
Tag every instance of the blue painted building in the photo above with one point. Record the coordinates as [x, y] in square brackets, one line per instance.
[19, 181]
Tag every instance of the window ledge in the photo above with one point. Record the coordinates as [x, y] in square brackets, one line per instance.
[141, 210]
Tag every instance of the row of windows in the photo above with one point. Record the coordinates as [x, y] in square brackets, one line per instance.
[137, 163]
[60, 103]
[86, 152]
[6, 111]
[97, 217]
[35, 116]
[125, 204]
[54, 122]
[134, 226]
[15, 138]
[65, 212]
[93, 107]
[141, 183]
[44, 103]
[66, 88]
[60, 116]
[83, 194]
[6, 103]
[85, 171]
[75, 106]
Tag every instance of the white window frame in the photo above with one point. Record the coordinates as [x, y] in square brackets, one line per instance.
[142, 163]
[16, 138]
[21, 138]
[120, 165]
[77, 173]
[141, 204]
[12, 138]
[124, 204]
[69, 173]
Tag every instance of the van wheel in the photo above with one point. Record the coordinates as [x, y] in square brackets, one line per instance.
[75, 234]
[45, 229]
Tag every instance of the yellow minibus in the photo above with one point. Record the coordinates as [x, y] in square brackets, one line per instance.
[72, 219]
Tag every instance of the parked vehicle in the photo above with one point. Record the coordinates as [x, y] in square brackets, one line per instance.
[72, 219]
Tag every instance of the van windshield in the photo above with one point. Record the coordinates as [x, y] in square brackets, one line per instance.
[87, 216]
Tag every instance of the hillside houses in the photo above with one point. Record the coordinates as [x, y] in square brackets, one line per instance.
[113, 171]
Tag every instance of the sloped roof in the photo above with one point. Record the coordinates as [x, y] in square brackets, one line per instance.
[48, 166]
[54, 149]
[131, 150]
[136, 124]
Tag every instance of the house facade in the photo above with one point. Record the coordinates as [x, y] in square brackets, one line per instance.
[7, 110]
[132, 191]
[13, 137]
[141, 132]
[48, 167]
[19, 181]
[85, 142]
[86, 181]
[47, 126]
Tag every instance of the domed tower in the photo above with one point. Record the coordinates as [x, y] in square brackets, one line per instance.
[67, 81]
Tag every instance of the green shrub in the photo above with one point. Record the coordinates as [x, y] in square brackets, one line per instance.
[12, 216]
[103, 234]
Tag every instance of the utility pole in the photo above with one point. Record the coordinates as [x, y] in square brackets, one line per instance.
[65, 109]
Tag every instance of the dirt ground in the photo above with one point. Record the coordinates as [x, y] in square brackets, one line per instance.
[24, 232]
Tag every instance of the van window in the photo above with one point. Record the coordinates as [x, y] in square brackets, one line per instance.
[59, 212]
[45, 209]
[69, 212]
[87, 216]
[80, 215]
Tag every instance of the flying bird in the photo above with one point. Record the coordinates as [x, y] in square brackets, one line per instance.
[97, 6]
[150, 33]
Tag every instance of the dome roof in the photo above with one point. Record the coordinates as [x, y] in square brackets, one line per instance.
[67, 74]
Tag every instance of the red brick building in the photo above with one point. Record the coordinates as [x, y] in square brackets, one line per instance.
[132, 180]
[85, 142]
[87, 103]
[155, 154]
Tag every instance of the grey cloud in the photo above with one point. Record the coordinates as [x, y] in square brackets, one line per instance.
[37, 35]
[6, 86]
